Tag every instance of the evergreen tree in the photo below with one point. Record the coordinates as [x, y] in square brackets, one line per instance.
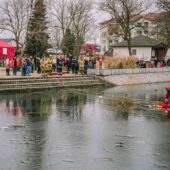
[68, 42]
[37, 38]
[78, 42]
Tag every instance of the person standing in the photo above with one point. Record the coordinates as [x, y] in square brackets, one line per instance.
[29, 65]
[24, 66]
[100, 62]
[73, 62]
[68, 64]
[32, 64]
[59, 66]
[94, 63]
[76, 66]
[7, 66]
[15, 65]
[85, 66]
[81, 65]
[54, 63]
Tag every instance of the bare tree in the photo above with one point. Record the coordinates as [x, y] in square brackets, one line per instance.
[164, 23]
[14, 18]
[55, 36]
[80, 14]
[122, 11]
[60, 15]
[164, 4]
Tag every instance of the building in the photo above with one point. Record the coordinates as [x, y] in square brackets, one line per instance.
[142, 47]
[144, 24]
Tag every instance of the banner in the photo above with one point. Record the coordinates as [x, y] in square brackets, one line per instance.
[4, 51]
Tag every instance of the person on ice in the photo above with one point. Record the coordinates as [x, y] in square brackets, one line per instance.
[167, 94]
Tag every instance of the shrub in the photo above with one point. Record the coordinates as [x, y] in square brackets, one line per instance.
[116, 62]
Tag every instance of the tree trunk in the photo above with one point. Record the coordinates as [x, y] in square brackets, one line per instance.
[17, 45]
[129, 44]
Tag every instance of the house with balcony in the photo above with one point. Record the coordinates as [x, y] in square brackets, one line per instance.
[144, 24]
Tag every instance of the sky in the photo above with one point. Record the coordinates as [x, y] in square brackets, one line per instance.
[98, 15]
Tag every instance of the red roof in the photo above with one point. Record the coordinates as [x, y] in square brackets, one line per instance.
[148, 16]
[5, 45]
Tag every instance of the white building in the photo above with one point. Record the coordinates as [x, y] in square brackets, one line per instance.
[142, 47]
[145, 24]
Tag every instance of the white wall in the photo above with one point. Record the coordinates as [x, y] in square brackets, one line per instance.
[103, 37]
[168, 53]
[141, 52]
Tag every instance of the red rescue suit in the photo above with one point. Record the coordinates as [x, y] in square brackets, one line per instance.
[167, 94]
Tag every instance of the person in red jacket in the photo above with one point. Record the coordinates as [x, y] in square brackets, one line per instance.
[7, 65]
[167, 94]
[100, 62]
[15, 65]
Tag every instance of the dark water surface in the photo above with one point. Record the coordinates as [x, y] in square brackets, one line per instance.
[85, 129]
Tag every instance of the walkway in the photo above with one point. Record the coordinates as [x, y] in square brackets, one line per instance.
[3, 74]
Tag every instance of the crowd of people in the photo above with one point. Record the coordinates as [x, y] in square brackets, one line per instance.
[74, 65]
[54, 64]
[153, 63]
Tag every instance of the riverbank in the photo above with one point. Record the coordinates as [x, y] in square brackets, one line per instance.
[130, 79]
[96, 77]
[133, 76]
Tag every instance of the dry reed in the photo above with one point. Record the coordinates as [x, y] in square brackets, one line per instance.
[116, 62]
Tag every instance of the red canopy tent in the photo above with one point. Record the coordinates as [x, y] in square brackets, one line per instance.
[88, 48]
[6, 50]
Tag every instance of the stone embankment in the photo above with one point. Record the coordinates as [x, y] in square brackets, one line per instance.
[36, 83]
[133, 76]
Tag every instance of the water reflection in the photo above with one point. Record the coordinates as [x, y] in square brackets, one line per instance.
[22, 104]
[33, 140]
[70, 104]
[85, 129]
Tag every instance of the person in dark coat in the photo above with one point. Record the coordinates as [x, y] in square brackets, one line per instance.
[76, 66]
[85, 66]
[68, 64]
[73, 62]
[59, 66]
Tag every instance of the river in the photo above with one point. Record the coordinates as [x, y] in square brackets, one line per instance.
[85, 129]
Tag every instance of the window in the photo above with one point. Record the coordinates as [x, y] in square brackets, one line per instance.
[139, 32]
[116, 33]
[146, 24]
[146, 32]
[139, 24]
[110, 41]
[116, 41]
[133, 51]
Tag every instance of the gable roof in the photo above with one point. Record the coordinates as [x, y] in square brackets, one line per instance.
[7, 39]
[139, 41]
[5, 45]
[107, 22]
[149, 16]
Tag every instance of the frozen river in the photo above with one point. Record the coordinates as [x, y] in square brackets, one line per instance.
[85, 129]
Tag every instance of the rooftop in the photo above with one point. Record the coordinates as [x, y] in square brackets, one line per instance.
[148, 16]
[139, 41]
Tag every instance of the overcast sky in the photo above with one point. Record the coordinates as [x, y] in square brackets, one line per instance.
[98, 15]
